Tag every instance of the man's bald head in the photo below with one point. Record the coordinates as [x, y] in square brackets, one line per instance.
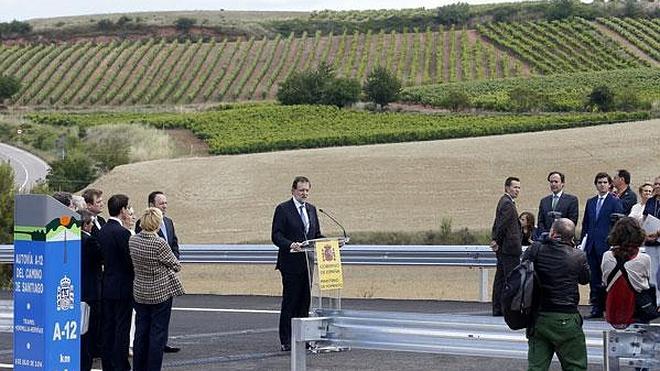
[563, 229]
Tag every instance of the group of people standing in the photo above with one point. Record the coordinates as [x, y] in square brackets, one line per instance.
[126, 266]
[611, 229]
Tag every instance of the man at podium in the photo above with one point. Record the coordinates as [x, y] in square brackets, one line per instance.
[294, 221]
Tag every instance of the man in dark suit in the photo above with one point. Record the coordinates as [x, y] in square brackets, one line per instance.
[159, 200]
[627, 196]
[506, 238]
[294, 221]
[557, 205]
[94, 200]
[596, 226]
[117, 295]
[90, 273]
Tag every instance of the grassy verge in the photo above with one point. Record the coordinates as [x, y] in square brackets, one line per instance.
[273, 128]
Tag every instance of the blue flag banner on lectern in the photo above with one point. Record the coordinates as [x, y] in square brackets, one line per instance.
[46, 285]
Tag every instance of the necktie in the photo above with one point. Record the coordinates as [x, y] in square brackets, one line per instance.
[163, 230]
[555, 199]
[599, 204]
[303, 216]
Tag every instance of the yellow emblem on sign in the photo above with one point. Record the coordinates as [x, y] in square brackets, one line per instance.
[329, 265]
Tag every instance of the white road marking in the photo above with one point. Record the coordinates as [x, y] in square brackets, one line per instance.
[8, 365]
[227, 310]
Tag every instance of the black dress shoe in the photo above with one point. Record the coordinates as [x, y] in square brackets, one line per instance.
[169, 349]
[285, 347]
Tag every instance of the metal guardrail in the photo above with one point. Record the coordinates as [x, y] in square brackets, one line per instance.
[427, 333]
[406, 255]
[459, 255]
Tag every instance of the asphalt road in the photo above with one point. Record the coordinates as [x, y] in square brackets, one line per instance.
[248, 340]
[28, 168]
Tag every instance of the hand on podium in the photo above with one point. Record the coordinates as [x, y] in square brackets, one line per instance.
[296, 246]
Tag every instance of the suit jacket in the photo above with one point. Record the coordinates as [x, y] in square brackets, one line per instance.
[95, 231]
[172, 239]
[567, 206]
[506, 227]
[597, 229]
[90, 268]
[118, 270]
[628, 200]
[287, 228]
[155, 269]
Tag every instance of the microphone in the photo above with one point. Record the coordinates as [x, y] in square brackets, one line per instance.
[346, 238]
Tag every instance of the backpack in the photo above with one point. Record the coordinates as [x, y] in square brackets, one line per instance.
[518, 293]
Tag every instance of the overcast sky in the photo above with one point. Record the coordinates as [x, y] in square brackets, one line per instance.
[27, 9]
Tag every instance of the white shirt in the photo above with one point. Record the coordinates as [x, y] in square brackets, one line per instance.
[117, 219]
[637, 212]
[639, 269]
[304, 210]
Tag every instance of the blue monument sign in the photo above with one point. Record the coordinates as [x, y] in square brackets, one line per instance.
[47, 321]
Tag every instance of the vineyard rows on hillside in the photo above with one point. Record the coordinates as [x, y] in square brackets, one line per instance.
[560, 46]
[156, 72]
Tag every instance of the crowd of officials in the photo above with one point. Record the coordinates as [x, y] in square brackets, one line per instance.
[132, 266]
[126, 267]
[615, 224]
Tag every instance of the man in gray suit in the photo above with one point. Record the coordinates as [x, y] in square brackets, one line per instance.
[506, 239]
[558, 204]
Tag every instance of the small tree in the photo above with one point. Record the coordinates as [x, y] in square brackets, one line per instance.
[601, 98]
[458, 13]
[456, 100]
[382, 86]
[318, 86]
[72, 173]
[8, 87]
[184, 24]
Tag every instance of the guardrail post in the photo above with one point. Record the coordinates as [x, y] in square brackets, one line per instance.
[483, 285]
[302, 331]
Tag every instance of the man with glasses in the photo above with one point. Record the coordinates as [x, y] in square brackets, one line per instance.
[652, 243]
[595, 229]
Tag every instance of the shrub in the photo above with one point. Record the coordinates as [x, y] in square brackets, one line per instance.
[184, 24]
[628, 100]
[456, 100]
[7, 190]
[318, 86]
[524, 99]
[601, 98]
[72, 173]
[382, 86]
[8, 87]
[458, 13]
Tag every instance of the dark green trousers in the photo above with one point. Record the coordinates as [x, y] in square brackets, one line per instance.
[559, 333]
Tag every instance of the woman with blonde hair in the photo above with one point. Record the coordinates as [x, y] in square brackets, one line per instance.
[156, 283]
[645, 192]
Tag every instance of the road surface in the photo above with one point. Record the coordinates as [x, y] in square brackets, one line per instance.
[28, 168]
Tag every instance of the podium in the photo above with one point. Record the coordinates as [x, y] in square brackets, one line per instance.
[47, 316]
[324, 268]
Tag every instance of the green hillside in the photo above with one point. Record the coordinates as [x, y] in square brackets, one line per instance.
[158, 72]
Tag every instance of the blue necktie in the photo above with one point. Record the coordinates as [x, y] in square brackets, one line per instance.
[599, 204]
